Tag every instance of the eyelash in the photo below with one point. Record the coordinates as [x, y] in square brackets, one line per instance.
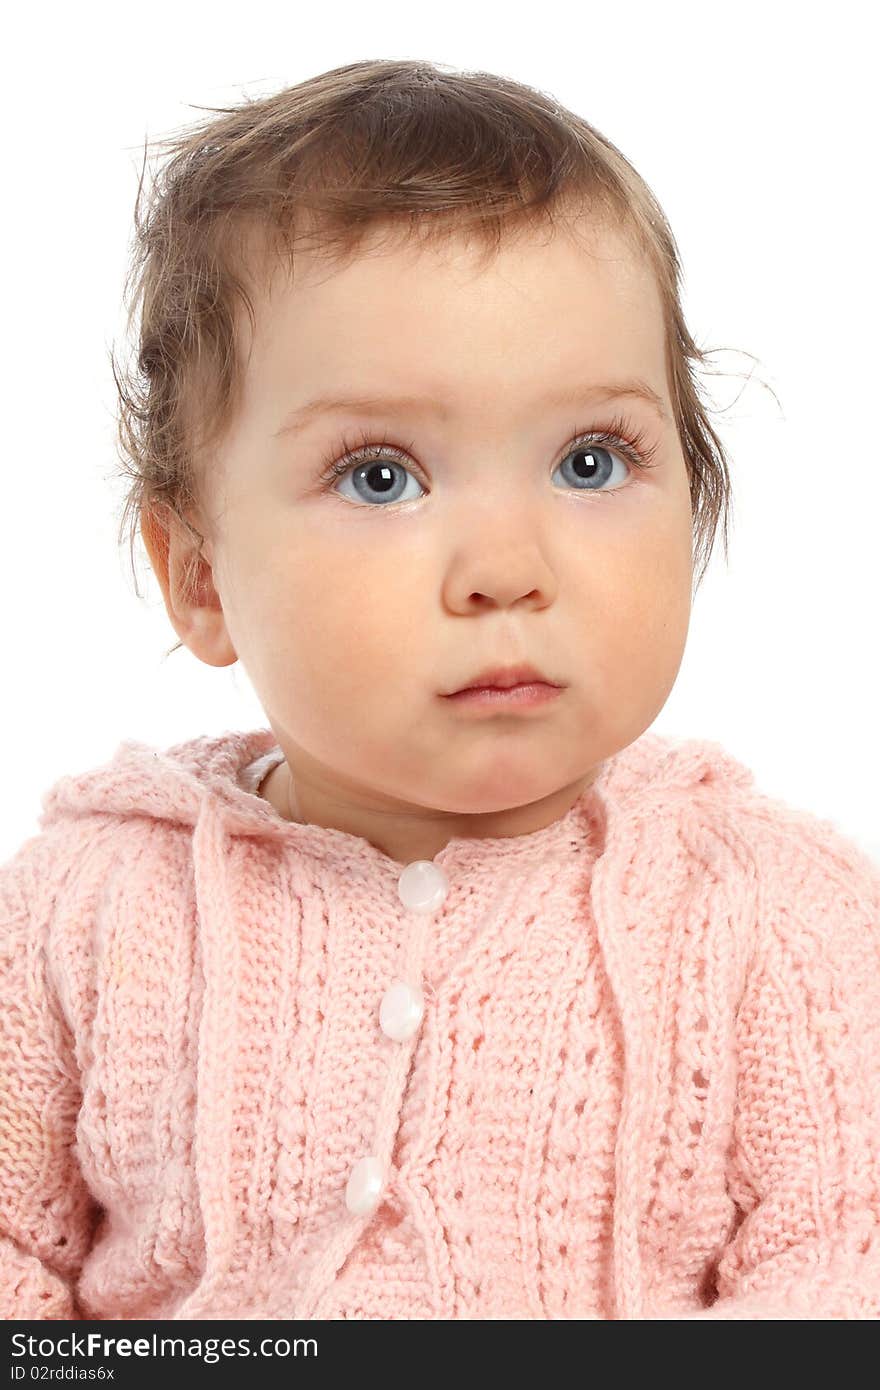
[620, 435]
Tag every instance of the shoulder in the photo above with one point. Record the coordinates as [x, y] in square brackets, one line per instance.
[794, 864]
[73, 889]
[817, 891]
[698, 776]
[796, 846]
[58, 877]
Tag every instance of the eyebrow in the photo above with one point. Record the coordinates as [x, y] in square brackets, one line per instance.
[430, 405]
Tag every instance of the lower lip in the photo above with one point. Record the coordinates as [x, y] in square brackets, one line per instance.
[515, 698]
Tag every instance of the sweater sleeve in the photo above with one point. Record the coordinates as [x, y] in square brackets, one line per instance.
[804, 1166]
[47, 1214]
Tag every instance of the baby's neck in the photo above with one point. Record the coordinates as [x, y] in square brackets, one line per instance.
[409, 843]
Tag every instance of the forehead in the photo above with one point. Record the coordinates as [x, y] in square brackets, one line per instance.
[575, 301]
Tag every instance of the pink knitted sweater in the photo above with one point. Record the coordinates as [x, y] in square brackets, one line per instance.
[646, 1081]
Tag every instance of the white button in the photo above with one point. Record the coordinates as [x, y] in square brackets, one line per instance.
[364, 1186]
[401, 1010]
[422, 886]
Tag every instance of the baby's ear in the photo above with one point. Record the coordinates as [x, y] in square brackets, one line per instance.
[182, 560]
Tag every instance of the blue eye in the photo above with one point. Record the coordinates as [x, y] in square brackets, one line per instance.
[589, 463]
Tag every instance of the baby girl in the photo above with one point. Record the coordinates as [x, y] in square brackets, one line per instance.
[453, 992]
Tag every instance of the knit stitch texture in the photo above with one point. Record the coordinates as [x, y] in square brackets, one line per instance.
[646, 1083]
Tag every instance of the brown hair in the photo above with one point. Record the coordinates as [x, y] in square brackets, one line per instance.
[319, 165]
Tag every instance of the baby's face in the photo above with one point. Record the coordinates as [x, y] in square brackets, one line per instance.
[354, 606]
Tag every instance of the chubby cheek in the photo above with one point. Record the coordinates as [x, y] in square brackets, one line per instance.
[342, 613]
[635, 628]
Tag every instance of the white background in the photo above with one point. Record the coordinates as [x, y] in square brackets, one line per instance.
[756, 126]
